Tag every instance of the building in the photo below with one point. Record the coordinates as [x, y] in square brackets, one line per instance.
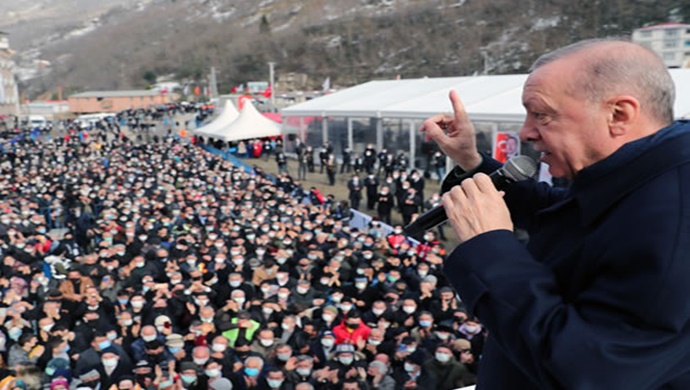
[115, 101]
[9, 97]
[670, 40]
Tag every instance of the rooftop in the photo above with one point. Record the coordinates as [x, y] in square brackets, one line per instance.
[111, 94]
[665, 26]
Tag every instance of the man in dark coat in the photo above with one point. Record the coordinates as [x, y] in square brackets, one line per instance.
[372, 184]
[354, 185]
[598, 296]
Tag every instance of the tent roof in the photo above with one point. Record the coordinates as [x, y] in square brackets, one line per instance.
[249, 124]
[491, 98]
[225, 118]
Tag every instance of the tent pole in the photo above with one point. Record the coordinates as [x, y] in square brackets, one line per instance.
[379, 133]
[350, 142]
[413, 145]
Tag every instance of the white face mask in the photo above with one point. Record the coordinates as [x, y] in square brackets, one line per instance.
[409, 367]
[109, 362]
[266, 342]
[409, 309]
[442, 357]
[346, 360]
[200, 362]
[212, 373]
[303, 371]
[148, 339]
[327, 342]
[219, 347]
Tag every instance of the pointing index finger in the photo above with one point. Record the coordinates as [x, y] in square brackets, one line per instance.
[458, 107]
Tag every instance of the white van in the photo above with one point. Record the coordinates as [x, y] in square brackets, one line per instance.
[37, 121]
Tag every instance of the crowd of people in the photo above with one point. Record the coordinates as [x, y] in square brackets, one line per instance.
[175, 269]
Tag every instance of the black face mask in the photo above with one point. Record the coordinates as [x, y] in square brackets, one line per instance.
[353, 326]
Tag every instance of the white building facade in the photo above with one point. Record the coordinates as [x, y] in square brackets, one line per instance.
[670, 40]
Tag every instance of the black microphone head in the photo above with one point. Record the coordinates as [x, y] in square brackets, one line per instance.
[520, 168]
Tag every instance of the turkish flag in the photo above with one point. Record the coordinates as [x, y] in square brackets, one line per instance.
[268, 92]
[234, 89]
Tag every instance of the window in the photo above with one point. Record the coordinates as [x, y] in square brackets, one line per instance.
[671, 33]
[687, 43]
[670, 44]
[669, 56]
[645, 34]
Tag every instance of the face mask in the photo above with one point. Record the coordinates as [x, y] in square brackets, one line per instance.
[327, 318]
[208, 320]
[235, 283]
[425, 324]
[302, 290]
[148, 339]
[238, 262]
[345, 308]
[327, 342]
[14, 333]
[411, 350]
[274, 383]
[409, 367]
[442, 336]
[165, 384]
[212, 373]
[104, 344]
[137, 304]
[377, 312]
[174, 350]
[266, 342]
[109, 362]
[374, 342]
[239, 301]
[303, 372]
[47, 328]
[128, 322]
[442, 357]
[471, 328]
[111, 336]
[200, 362]
[346, 360]
[188, 379]
[251, 372]
[409, 309]
[283, 357]
[283, 295]
[360, 286]
[219, 347]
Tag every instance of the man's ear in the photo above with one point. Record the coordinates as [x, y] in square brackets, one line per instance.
[624, 111]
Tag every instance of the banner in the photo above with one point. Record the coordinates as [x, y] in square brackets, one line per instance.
[506, 144]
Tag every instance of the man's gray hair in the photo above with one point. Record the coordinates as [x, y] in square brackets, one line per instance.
[628, 67]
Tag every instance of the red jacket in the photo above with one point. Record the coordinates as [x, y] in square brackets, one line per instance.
[343, 335]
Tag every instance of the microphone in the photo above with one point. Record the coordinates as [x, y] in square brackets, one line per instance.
[515, 169]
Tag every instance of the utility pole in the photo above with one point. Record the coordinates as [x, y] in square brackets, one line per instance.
[272, 85]
[213, 84]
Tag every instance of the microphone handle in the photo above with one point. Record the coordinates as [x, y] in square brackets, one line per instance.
[437, 215]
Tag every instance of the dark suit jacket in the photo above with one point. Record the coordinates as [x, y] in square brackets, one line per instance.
[598, 298]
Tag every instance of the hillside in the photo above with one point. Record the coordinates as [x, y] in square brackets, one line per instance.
[112, 44]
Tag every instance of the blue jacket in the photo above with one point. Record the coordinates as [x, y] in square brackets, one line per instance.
[600, 296]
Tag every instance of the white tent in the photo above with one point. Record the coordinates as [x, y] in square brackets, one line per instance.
[249, 124]
[486, 98]
[225, 118]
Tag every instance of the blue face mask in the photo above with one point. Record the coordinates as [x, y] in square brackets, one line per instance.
[188, 378]
[104, 344]
[66, 349]
[123, 301]
[251, 372]
[174, 350]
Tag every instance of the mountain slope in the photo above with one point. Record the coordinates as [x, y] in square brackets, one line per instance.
[350, 41]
